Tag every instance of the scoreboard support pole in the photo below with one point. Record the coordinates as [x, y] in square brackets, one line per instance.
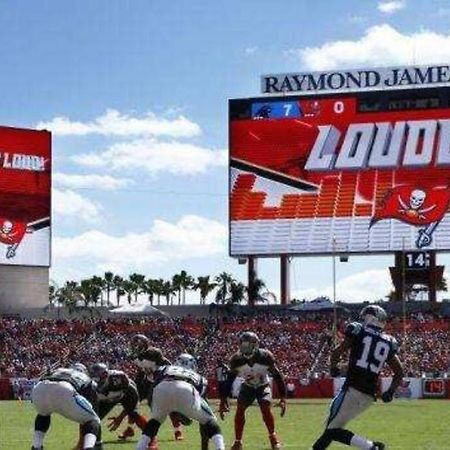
[252, 275]
[285, 271]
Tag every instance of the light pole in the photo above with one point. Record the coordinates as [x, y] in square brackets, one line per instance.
[334, 292]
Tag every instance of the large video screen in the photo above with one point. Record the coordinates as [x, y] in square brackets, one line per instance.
[359, 173]
[25, 185]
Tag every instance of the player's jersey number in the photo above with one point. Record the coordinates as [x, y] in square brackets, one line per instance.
[374, 354]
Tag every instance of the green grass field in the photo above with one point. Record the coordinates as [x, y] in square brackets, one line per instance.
[403, 425]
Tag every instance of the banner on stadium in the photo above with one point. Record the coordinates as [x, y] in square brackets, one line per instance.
[365, 172]
[382, 78]
[25, 185]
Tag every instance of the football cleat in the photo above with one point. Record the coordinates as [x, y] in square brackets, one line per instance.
[37, 448]
[274, 442]
[378, 446]
[128, 433]
[237, 445]
[179, 435]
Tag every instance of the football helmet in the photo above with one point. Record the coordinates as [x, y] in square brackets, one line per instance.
[187, 361]
[248, 343]
[99, 372]
[139, 343]
[374, 315]
[80, 367]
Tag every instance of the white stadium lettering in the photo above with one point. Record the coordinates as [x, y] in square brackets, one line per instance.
[323, 152]
[443, 156]
[356, 147]
[380, 145]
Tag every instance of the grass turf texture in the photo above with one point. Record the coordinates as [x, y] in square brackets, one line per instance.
[402, 425]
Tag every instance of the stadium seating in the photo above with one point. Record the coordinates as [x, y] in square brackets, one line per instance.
[300, 343]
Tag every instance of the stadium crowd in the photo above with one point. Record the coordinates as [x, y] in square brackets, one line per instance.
[300, 343]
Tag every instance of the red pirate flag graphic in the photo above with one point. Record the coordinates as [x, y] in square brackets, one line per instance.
[11, 234]
[417, 206]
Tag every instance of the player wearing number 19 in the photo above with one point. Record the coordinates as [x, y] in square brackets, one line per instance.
[370, 348]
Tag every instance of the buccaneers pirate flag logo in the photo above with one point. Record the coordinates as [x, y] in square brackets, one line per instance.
[418, 206]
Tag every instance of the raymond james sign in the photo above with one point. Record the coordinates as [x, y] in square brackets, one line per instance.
[355, 80]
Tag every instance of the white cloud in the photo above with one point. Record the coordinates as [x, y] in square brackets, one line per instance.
[113, 123]
[67, 203]
[90, 181]
[155, 156]
[380, 45]
[251, 50]
[191, 237]
[390, 7]
[368, 285]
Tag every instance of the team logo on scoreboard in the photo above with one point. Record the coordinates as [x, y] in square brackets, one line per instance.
[12, 233]
[415, 205]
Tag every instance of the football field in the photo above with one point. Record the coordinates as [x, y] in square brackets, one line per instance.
[402, 425]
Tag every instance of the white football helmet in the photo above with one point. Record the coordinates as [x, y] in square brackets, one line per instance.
[374, 315]
[79, 367]
[187, 361]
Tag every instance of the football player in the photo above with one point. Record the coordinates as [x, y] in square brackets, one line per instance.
[71, 393]
[179, 390]
[115, 387]
[370, 348]
[149, 359]
[189, 362]
[254, 365]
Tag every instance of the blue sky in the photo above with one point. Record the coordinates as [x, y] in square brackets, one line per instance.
[136, 92]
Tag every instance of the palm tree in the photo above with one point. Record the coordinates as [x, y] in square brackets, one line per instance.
[99, 283]
[68, 296]
[205, 287]
[117, 283]
[129, 288]
[237, 292]
[150, 289]
[223, 281]
[181, 283]
[259, 292]
[138, 281]
[176, 284]
[90, 291]
[108, 282]
[168, 290]
[159, 289]
[52, 295]
[187, 282]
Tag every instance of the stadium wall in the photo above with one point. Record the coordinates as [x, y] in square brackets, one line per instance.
[23, 287]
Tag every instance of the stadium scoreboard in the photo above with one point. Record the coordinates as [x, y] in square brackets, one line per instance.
[25, 197]
[355, 172]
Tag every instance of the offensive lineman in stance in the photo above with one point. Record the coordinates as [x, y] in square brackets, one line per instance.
[179, 390]
[113, 388]
[72, 394]
[149, 359]
[254, 365]
[370, 349]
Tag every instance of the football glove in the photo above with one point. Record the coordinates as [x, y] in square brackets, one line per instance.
[387, 396]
